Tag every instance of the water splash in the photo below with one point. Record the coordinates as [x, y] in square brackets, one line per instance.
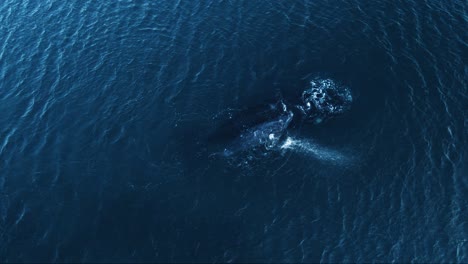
[315, 150]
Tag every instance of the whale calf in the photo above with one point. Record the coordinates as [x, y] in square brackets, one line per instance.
[324, 99]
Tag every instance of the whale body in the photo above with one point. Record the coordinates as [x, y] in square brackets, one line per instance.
[266, 134]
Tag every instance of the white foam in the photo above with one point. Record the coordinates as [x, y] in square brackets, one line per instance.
[309, 147]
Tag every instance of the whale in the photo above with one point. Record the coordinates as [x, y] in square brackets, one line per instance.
[266, 135]
[267, 127]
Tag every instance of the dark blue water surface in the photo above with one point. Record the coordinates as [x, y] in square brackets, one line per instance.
[106, 108]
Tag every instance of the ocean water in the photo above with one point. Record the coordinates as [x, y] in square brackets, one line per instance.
[106, 108]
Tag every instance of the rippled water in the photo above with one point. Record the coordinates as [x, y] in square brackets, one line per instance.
[105, 108]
